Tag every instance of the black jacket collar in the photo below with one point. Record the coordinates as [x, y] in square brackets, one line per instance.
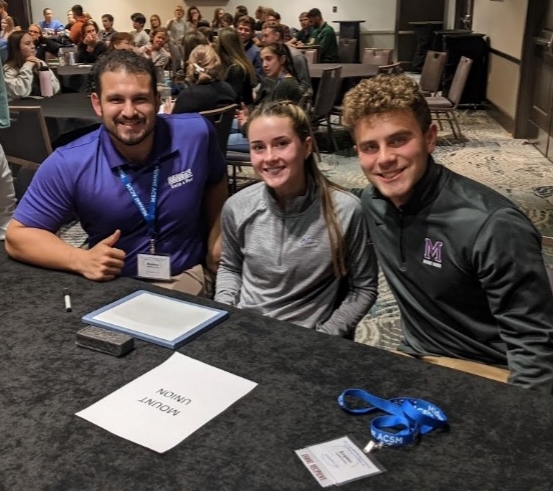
[426, 189]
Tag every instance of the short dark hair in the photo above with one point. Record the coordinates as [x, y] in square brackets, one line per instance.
[228, 18]
[45, 9]
[207, 32]
[123, 60]
[77, 10]
[120, 37]
[279, 29]
[108, 17]
[314, 13]
[246, 19]
[139, 18]
[242, 9]
[157, 30]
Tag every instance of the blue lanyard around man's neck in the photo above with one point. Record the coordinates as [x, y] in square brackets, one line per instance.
[150, 214]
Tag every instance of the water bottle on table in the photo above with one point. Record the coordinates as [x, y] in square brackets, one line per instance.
[166, 88]
[61, 57]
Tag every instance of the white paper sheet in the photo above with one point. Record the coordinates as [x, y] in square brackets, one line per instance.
[155, 315]
[167, 404]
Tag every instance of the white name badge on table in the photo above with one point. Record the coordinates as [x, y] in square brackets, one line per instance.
[337, 462]
[161, 408]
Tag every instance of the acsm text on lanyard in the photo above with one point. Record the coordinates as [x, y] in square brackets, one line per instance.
[409, 417]
[150, 214]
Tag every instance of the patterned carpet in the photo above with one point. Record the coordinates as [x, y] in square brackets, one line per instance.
[488, 154]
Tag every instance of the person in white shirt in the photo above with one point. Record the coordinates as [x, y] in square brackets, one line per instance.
[108, 31]
[141, 37]
[21, 68]
[155, 50]
[177, 27]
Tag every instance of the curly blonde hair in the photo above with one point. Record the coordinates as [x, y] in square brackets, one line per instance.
[382, 94]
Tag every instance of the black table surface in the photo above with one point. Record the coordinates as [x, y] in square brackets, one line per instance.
[349, 70]
[501, 436]
[74, 78]
[64, 113]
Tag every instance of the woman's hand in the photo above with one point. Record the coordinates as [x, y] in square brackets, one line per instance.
[90, 40]
[168, 106]
[242, 115]
[35, 60]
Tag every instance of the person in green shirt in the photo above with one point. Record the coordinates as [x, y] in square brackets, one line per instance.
[324, 36]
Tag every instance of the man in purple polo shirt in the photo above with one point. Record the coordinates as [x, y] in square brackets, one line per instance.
[148, 189]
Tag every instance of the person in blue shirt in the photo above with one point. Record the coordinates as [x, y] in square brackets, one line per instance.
[49, 25]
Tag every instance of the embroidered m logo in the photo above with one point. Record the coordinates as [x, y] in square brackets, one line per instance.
[433, 253]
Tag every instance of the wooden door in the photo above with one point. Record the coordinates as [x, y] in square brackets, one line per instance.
[537, 78]
[21, 10]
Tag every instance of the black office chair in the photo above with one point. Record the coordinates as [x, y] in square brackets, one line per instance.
[26, 144]
[445, 108]
[432, 70]
[347, 50]
[323, 106]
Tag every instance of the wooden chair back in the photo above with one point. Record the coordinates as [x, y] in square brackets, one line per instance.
[432, 70]
[377, 56]
[222, 119]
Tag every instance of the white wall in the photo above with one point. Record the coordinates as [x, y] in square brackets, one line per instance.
[503, 22]
[506, 36]
[379, 14]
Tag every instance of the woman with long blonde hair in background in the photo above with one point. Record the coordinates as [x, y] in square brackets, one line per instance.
[204, 90]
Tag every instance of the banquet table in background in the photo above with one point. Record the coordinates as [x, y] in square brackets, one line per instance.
[349, 70]
[66, 115]
[73, 78]
[501, 437]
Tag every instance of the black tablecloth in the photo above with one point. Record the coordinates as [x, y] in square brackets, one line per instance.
[349, 70]
[501, 436]
[65, 114]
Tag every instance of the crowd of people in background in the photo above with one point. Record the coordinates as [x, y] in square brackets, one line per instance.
[294, 246]
[237, 39]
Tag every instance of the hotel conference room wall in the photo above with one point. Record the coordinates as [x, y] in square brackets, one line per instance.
[506, 37]
[380, 15]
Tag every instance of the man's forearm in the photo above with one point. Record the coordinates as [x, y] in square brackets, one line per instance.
[41, 247]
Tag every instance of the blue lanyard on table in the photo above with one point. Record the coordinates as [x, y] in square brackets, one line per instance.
[413, 417]
[150, 214]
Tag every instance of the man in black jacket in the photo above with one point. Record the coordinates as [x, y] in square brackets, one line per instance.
[463, 262]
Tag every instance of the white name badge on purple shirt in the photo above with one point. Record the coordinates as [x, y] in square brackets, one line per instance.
[154, 267]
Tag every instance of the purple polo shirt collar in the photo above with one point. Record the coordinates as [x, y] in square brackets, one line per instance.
[162, 150]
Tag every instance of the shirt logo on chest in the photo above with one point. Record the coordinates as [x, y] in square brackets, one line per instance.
[433, 253]
[181, 178]
[308, 241]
